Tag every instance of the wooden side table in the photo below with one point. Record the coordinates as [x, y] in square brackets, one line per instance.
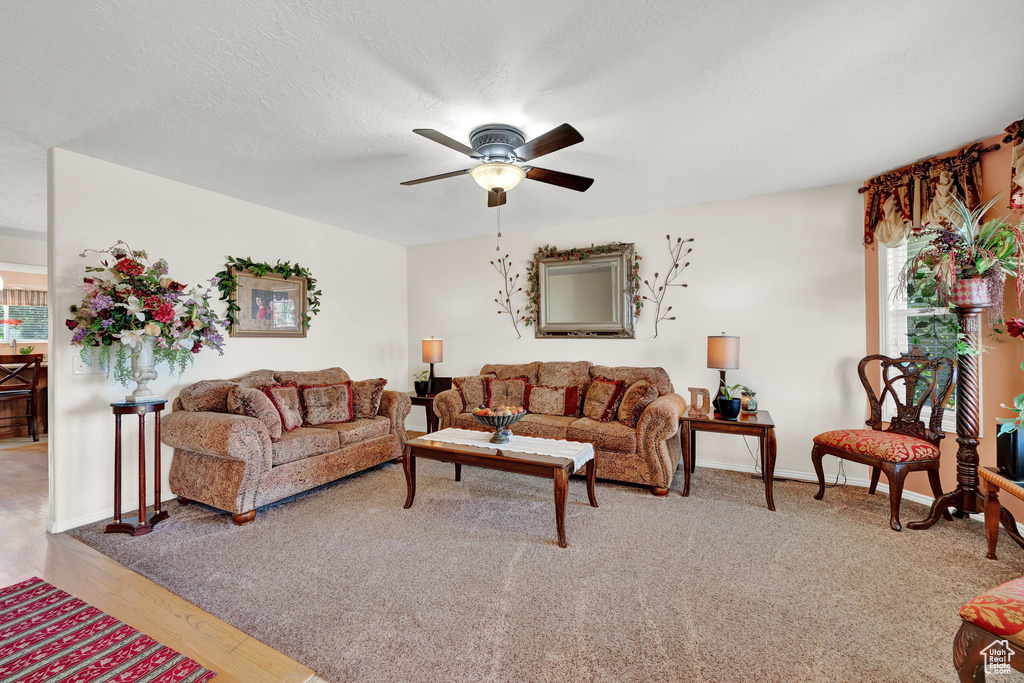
[428, 403]
[996, 513]
[145, 524]
[757, 424]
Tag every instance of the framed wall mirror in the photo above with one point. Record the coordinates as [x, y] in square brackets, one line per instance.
[589, 296]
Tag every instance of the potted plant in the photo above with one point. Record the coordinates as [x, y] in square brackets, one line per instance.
[420, 382]
[729, 401]
[968, 260]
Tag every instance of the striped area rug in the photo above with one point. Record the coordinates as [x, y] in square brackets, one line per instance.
[48, 636]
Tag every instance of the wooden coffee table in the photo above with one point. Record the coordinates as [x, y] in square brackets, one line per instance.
[544, 466]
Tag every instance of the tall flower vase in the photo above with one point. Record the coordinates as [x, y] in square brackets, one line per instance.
[143, 372]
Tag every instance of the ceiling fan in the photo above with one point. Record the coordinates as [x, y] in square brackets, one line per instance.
[501, 147]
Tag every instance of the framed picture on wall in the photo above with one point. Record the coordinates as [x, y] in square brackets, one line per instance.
[268, 305]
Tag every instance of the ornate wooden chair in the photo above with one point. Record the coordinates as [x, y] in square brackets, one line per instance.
[906, 445]
[17, 385]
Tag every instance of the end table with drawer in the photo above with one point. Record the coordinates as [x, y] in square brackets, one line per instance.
[759, 424]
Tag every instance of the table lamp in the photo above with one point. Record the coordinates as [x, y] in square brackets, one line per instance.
[723, 354]
[433, 352]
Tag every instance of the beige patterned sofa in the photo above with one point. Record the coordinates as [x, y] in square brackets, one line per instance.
[645, 455]
[230, 462]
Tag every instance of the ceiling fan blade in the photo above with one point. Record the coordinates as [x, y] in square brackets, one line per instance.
[566, 180]
[441, 138]
[552, 141]
[436, 177]
[496, 199]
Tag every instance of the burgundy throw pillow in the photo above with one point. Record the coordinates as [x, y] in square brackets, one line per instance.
[254, 403]
[504, 392]
[328, 403]
[603, 398]
[285, 398]
[636, 399]
[564, 401]
[366, 395]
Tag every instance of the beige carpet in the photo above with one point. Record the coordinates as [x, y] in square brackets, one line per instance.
[469, 584]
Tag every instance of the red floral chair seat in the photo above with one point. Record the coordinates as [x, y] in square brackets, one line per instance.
[999, 611]
[882, 445]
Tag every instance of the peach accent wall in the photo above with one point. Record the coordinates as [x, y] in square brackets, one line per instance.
[1001, 377]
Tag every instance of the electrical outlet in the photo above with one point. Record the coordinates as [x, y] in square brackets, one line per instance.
[79, 367]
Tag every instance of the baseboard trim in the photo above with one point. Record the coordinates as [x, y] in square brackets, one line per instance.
[812, 477]
[60, 527]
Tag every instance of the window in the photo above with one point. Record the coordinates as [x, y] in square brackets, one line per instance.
[911, 316]
[33, 328]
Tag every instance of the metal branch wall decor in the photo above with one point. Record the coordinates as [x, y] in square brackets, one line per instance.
[504, 268]
[658, 291]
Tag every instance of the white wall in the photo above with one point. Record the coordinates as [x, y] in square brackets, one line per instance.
[16, 250]
[785, 272]
[361, 326]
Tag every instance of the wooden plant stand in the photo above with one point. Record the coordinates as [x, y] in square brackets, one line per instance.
[145, 524]
[966, 497]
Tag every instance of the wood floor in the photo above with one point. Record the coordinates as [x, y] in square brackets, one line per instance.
[26, 550]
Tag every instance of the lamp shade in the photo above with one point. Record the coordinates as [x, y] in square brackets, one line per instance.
[497, 175]
[433, 351]
[723, 352]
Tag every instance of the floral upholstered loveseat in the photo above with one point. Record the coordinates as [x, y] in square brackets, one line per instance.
[237, 463]
[636, 443]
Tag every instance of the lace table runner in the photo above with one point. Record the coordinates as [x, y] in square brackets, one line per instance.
[579, 453]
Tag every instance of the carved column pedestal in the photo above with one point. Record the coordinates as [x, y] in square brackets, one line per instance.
[966, 497]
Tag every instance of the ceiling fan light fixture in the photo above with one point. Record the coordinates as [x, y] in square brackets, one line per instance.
[497, 176]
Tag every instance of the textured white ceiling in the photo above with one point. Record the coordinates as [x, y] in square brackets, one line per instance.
[308, 106]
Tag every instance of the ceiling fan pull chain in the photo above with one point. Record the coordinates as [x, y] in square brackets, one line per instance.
[497, 242]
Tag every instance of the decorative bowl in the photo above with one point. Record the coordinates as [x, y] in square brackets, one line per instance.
[500, 424]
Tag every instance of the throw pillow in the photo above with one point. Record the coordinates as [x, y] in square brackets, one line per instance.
[285, 398]
[603, 398]
[638, 396]
[366, 396]
[564, 401]
[327, 403]
[254, 403]
[206, 395]
[504, 392]
[472, 390]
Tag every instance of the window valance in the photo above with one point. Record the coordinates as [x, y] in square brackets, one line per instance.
[1016, 138]
[22, 297]
[920, 194]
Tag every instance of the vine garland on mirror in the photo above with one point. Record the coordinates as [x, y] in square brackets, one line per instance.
[658, 291]
[577, 253]
[504, 268]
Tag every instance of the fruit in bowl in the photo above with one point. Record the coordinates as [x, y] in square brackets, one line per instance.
[498, 411]
[499, 417]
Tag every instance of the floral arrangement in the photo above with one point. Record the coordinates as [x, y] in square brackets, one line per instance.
[136, 301]
[963, 248]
